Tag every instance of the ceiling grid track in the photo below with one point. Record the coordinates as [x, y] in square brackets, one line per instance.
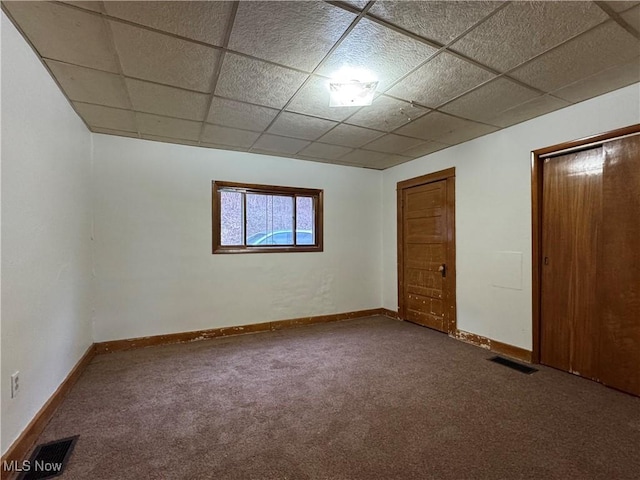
[216, 74]
[618, 19]
[122, 77]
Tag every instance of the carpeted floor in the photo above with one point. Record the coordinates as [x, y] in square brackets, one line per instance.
[362, 399]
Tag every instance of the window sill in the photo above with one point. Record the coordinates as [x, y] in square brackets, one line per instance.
[274, 249]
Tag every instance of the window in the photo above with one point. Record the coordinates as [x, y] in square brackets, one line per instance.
[262, 218]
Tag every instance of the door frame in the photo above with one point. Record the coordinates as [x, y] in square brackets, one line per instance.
[537, 176]
[450, 302]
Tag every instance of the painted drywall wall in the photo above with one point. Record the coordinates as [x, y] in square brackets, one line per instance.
[493, 212]
[155, 272]
[46, 234]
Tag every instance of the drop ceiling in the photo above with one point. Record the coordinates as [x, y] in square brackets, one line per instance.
[253, 76]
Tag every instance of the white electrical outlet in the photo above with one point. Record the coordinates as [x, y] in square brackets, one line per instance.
[15, 384]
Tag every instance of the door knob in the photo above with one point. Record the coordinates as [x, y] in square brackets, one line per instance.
[443, 269]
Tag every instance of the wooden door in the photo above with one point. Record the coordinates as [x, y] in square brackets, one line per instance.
[590, 272]
[572, 212]
[618, 275]
[426, 266]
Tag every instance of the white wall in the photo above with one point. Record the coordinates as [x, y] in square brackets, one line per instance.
[46, 228]
[155, 272]
[493, 211]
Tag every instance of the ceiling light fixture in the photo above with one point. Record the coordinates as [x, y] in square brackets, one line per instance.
[351, 94]
[352, 88]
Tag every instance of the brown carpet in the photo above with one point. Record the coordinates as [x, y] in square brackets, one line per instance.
[362, 399]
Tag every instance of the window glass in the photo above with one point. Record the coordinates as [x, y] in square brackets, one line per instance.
[231, 218]
[305, 220]
[267, 215]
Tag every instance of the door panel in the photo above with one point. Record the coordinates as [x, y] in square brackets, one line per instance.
[425, 304]
[420, 254]
[430, 198]
[425, 319]
[619, 266]
[572, 211]
[425, 230]
[424, 282]
[424, 224]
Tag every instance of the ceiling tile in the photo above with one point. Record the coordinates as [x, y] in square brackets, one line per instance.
[603, 47]
[468, 132]
[300, 126]
[295, 34]
[164, 59]
[602, 82]
[386, 54]
[350, 136]
[157, 138]
[374, 160]
[489, 100]
[432, 126]
[528, 110]
[317, 159]
[386, 114]
[364, 157]
[275, 144]
[391, 161]
[257, 82]
[445, 129]
[632, 17]
[392, 143]
[64, 33]
[324, 151]
[525, 29]
[440, 80]
[417, 17]
[106, 117]
[424, 149]
[168, 127]
[359, 4]
[203, 21]
[619, 6]
[375, 163]
[89, 85]
[313, 99]
[88, 5]
[173, 102]
[223, 147]
[228, 136]
[240, 115]
[109, 131]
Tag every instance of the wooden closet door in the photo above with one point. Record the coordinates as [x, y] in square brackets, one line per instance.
[619, 267]
[590, 310]
[571, 221]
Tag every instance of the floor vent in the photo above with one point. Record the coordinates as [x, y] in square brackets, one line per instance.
[48, 460]
[515, 365]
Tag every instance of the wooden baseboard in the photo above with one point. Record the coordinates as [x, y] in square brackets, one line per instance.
[479, 341]
[390, 313]
[494, 345]
[20, 448]
[183, 337]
